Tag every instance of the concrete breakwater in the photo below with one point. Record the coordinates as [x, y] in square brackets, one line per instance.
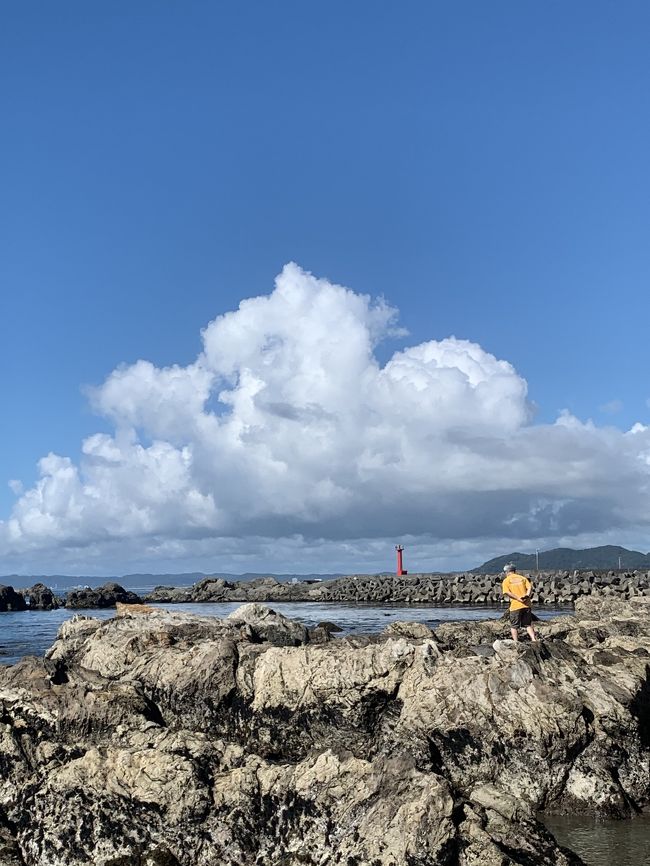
[550, 588]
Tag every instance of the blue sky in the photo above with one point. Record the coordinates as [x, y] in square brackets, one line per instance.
[483, 167]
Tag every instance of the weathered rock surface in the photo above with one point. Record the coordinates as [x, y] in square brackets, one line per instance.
[175, 739]
[103, 596]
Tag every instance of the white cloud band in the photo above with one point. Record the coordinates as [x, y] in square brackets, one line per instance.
[286, 425]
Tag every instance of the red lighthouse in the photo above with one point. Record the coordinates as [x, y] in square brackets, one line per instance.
[400, 564]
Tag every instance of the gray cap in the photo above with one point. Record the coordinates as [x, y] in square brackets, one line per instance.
[509, 566]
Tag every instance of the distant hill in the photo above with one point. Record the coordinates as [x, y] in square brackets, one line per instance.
[561, 558]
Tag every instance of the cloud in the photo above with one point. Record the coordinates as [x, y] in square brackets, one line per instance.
[286, 429]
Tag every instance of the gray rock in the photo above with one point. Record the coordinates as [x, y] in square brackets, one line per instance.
[264, 624]
[414, 630]
[10, 599]
[484, 650]
[331, 627]
[40, 597]
[103, 596]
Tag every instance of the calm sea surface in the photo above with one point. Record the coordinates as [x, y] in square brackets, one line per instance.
[604, 842]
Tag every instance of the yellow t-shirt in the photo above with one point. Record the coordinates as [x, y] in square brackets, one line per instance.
[518, 585]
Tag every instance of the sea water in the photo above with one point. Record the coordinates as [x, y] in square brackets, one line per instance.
[604, 842]
[31, 632]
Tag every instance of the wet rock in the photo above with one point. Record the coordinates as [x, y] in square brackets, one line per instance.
[10, 599]
[40, 597]
[323, 631]
[331, 627]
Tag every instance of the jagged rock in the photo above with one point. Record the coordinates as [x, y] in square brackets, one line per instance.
[331, 627]
[169, 594]
[482, 650]
[414, 630]
[9, 851]
[211, 589]
[10, 599]
[322, 632]
[102, 596]
[264, 624]
[40, 597]
[177, 739]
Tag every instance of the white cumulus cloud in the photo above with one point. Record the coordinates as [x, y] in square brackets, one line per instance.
[287, 429]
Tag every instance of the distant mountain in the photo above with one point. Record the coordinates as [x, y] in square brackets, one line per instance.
[564, 558]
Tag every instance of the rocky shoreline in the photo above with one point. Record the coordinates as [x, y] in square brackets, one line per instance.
[170, 739]
[551, 588]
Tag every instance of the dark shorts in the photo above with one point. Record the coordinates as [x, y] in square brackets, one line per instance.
[521, 618]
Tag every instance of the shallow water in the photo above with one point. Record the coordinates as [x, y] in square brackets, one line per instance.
[32, 632]
[604, 842]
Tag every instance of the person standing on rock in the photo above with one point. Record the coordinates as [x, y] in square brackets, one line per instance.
[518, 589]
